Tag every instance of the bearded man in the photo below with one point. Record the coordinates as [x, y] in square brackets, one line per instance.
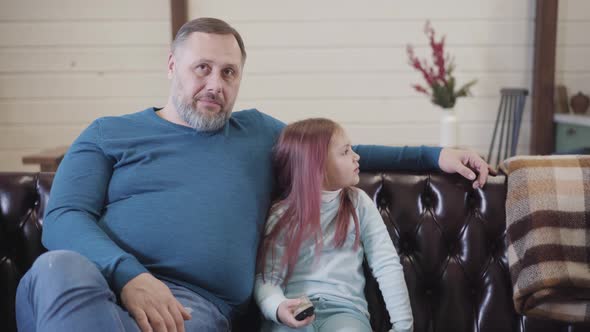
[154, 218]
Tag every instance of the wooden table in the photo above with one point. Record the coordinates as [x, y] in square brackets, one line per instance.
[48, 160]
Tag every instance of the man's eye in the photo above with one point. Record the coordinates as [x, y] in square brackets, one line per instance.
[229, 72]
[202, 68]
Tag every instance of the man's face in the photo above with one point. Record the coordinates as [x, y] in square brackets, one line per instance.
[206, 71]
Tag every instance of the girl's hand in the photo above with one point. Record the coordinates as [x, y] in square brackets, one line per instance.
[285, 314]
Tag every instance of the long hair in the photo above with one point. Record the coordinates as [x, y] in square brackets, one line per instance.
[299, 163]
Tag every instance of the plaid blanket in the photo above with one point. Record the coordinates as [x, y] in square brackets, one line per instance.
[548, 228]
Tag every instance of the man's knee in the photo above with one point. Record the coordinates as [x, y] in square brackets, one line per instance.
[59, 290]
[65, 268]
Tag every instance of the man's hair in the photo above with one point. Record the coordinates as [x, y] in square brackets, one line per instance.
[208, 25]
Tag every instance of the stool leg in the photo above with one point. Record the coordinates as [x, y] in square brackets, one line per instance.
[503, 121]
[502, 100]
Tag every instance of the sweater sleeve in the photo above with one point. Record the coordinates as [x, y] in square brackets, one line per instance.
[385, 265]
[380, 158]
[76, 203]
[268, 290]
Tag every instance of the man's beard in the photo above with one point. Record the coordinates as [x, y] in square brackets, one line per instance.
[197, 120]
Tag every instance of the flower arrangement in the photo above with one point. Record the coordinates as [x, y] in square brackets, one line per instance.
[439, 77]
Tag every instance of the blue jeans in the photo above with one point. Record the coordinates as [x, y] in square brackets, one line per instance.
[64, 291]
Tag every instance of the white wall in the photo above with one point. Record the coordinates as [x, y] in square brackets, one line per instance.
[347, 60]
[65, 62]
[573, 46]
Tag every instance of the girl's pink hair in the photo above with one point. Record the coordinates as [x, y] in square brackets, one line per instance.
[300, 156]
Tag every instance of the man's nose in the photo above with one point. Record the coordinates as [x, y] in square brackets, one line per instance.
[215, 83]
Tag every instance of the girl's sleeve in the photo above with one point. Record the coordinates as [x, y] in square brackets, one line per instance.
[385, 264]
[268, 291]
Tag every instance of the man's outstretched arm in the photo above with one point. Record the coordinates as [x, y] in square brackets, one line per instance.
[467, 163]
[380, 158]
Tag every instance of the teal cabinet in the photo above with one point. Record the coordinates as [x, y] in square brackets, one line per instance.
[572, 132]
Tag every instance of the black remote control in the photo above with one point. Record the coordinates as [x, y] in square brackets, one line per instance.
[304, 310]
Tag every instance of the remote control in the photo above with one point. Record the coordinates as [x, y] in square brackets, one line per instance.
[304, 310]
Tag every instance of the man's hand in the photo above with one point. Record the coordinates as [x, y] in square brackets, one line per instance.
[465, 162]
[285, 314]
[152, 305]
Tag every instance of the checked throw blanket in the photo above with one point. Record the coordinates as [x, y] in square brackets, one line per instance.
[548, 230]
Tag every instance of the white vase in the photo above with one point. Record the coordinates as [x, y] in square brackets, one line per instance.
[448, 128]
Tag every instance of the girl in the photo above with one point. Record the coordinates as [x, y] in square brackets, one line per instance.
[318, 232]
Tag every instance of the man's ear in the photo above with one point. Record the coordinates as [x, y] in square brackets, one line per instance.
[171, 64]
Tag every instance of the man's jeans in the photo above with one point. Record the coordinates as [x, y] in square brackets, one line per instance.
[64, 291]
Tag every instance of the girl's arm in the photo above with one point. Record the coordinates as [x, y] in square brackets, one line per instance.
[268, 296]
[268, 291]
[385, 264]
[268, 288]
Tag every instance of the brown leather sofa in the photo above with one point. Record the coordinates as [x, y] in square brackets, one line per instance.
[451, 239]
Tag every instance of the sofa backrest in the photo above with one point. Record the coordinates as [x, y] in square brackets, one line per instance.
[23, 197]
[451, 240]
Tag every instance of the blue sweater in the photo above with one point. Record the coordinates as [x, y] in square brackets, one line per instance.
[137, 193]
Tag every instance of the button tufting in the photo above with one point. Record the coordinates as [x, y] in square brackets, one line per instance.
[441, 263]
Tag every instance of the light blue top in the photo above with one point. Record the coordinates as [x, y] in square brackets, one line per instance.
[137, 193]
[337, 273]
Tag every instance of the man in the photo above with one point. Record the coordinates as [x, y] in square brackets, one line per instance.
[154, 217]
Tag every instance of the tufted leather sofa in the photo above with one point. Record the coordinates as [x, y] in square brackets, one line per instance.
[451, 240]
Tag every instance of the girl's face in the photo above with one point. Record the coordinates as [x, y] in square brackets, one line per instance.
[342, 164]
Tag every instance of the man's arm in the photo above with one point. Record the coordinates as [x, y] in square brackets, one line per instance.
[378, 157]
[76, 204]
[382, 158]
[465, 162]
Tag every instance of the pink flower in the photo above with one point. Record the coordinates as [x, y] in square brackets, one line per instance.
[421, 89]
[439, 76]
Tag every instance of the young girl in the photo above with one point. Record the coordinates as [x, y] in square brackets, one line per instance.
[318, 232]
